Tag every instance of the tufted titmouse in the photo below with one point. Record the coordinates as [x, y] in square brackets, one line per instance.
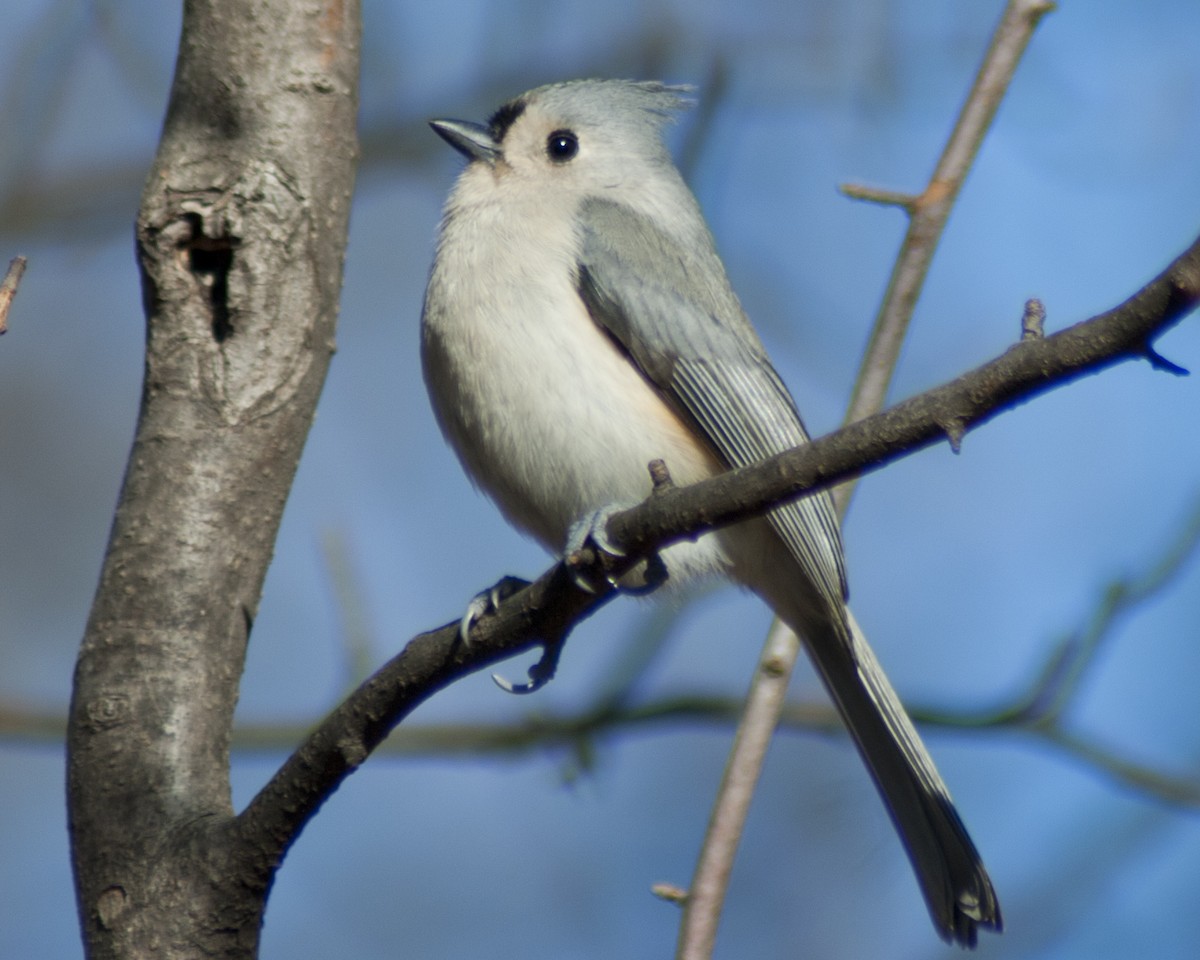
[578, 324]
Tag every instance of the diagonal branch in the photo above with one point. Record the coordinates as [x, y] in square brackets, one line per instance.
[545, 611]
[1068, 663]
[1027, 369]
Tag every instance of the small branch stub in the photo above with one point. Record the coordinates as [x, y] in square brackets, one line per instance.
[660, 476]
[955, 431]
[880, 195]
[670, 892]
[1033, 320]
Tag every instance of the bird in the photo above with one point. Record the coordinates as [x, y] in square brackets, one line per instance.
[577, 324]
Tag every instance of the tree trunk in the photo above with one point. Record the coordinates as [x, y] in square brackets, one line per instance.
[240, 238]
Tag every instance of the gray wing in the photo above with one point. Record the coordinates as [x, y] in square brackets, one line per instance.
[673, 312]
[669, 305]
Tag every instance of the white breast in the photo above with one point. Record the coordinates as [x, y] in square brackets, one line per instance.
[547, 414]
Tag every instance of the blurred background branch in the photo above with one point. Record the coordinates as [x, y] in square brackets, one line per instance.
[1039, 710]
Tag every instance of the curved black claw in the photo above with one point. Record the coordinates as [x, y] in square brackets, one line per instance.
[593, 527]
[645, 577]
[653, 575]
[485, 602]
[540, 674]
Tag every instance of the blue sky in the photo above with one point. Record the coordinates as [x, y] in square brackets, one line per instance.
[965, 570]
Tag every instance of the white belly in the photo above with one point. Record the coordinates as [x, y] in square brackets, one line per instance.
[548, 416]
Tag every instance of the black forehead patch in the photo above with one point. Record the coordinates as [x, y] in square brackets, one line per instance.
[504, 118]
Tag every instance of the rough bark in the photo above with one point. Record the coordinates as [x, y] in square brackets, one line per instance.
[240, 240]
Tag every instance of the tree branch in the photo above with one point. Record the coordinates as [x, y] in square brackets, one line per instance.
[546, 610]
[929, 210]
[760, 713]
[1025, 370]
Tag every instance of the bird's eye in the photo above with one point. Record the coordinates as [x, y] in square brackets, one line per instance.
[562, 145]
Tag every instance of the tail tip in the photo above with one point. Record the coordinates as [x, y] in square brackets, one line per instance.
[971, 910]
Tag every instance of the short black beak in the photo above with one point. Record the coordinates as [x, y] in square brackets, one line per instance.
[472, 140]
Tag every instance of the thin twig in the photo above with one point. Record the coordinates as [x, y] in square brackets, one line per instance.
[716, 89]
[881, 195]
[538, 734]
[760, 717]
[928, 214]
[1042, 706]
[352, 608]
[1119, 599]
[1183, 792]
[8, 289]
[929, 211]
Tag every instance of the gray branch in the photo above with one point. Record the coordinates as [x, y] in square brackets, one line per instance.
[543, 613]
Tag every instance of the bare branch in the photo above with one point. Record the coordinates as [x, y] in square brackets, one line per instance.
[929, 210]
[1039, 711]
[756, 728]
[908, 202]
[1026, 369]
[1078, 653]
[545, 611]
[356, 632]
[1178, 791]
